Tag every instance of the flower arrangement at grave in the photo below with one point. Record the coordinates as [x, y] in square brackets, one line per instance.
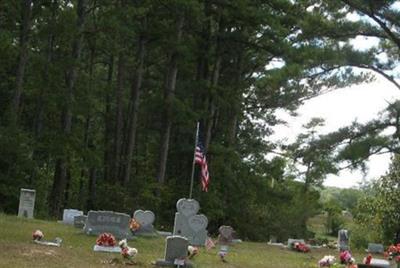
[126, 251]
[393, 253]
[37, 235]
[300, 247]
[368, 259]
[192, 251]
[134, 225]
[327, 261]
[345, 257]
[223, 251]
[106, 240]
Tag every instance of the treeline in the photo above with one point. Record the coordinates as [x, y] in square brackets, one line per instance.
[99, 102]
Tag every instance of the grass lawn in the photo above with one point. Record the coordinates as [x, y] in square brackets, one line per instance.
[18, 250]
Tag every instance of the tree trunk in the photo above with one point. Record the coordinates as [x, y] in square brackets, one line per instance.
[23, 57]
[108, 159]
[92, 189]
[169, 94]
[213, 83]
[119, 93]
[40, 101]
[212, 105]
[236, 102]
[133, 112]
[60, 174]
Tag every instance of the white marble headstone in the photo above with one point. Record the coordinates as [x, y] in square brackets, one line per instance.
[69, 215]
[26, 203]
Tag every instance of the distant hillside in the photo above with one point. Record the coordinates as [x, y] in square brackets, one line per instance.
[346, 198]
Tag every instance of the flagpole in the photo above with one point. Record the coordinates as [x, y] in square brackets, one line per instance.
[194, 160]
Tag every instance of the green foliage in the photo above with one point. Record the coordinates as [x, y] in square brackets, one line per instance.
[334, 220]
[379, 210]
[347, 198]
[362, 234]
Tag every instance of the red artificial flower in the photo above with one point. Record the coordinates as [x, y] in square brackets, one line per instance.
[106, 240]
[125, 252]
[368, 259]
[301, 247]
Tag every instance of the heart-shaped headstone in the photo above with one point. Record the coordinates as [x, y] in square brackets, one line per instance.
[144, 217]
[198, 222]
[187, 207]
[226, 231]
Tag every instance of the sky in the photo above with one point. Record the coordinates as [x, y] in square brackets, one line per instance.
[340, 108]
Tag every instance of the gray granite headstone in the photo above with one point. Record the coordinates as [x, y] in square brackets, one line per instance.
[69, 214]
[80, 221]
[26, 203]
[145, 220]
[225, 235]
[188, 223]
[99, 222]
[343, 240]
[175, 248]
[375, 248]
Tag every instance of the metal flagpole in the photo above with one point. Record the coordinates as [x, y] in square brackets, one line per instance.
[194, 161]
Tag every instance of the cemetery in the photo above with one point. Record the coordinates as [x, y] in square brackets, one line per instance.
[200, 133]
[109, 238]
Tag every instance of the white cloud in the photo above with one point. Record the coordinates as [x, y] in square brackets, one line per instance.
[339, 108]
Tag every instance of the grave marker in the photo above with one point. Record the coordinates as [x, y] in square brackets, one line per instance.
[225, 236]
[99, 222]
[80, 221]
[343, 240]
[145, 220]
[69, 214]
[188, 223]
[375, 248]
[26, 203]
[175, 250]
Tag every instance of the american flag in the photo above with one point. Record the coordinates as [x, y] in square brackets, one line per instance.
[200, 159]
[209, 244]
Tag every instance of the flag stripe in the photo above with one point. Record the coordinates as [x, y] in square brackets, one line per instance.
[201, 160]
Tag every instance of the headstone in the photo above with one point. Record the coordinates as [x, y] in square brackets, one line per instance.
[176, 248]
[98, 248]
[26, 203]
[145, 220]
[343, 240]
[375, 263]
[375, 248]
[80, 221]
[56, 243]
[99, 222]
[225, 236]
[188, 223]
[69, 214]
